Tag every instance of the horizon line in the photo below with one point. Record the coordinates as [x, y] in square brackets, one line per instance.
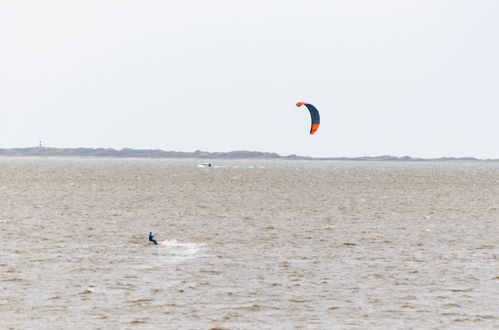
[200, 154]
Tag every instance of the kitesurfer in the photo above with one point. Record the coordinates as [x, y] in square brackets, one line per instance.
[151, 238]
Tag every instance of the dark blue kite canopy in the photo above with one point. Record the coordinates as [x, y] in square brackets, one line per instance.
[314, 115]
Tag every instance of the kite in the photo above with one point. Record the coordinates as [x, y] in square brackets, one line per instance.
[314, 116]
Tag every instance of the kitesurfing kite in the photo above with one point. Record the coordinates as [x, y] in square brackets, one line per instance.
[314, 115]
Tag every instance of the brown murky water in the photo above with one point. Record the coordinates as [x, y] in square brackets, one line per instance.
[248, 244]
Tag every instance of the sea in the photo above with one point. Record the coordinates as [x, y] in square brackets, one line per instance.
[248, 244]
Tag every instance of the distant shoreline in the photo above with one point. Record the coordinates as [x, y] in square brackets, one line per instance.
[240, 154]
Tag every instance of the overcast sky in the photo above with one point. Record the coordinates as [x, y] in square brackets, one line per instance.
[415, 77]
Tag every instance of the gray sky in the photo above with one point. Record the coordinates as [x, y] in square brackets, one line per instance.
[416, 77]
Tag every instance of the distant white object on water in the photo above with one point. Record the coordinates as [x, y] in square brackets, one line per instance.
[205, 165]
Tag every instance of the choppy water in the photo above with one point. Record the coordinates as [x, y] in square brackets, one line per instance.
[248, 244]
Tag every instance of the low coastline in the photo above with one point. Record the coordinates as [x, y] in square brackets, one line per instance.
[198, 154]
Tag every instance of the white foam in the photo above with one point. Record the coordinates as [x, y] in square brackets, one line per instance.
[177, 251]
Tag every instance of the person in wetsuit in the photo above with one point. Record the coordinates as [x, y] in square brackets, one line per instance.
[151, 238]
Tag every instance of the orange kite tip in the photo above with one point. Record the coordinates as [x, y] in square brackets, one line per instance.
[315, 127]
[300, 103]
